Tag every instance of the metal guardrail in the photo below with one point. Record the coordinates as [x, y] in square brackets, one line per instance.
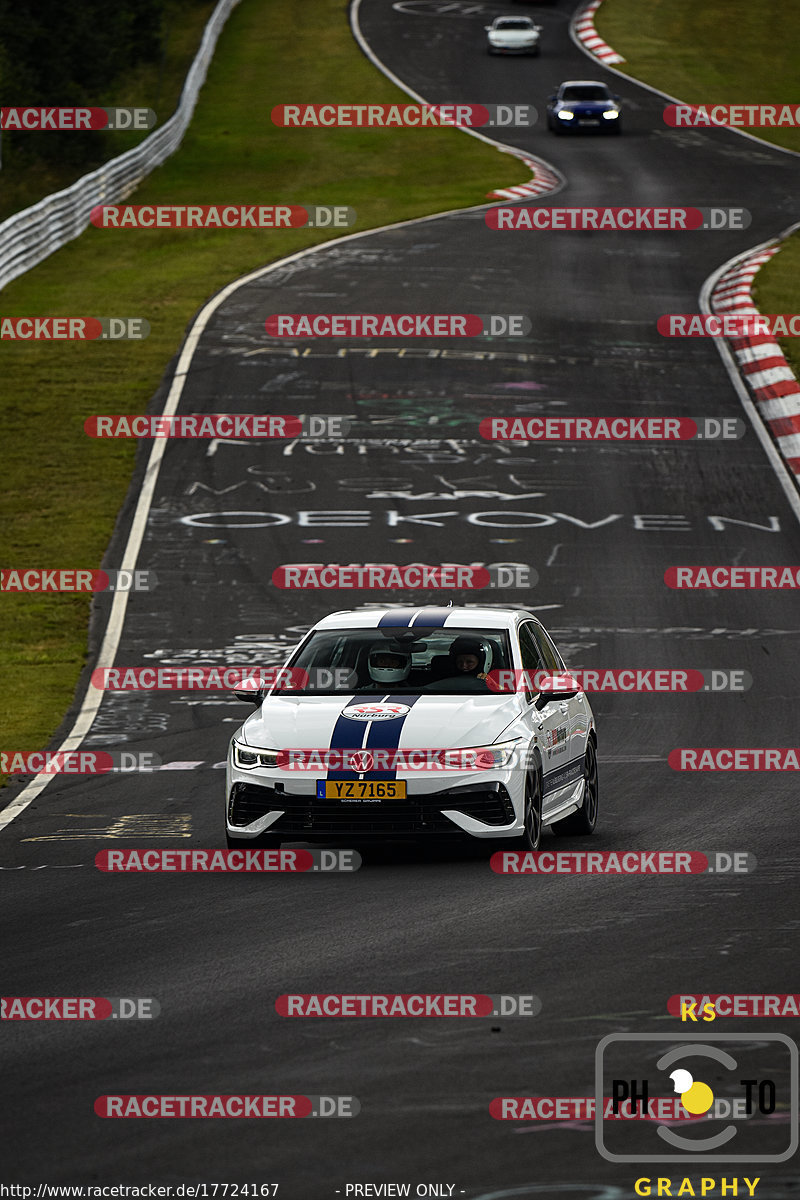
[33, 234]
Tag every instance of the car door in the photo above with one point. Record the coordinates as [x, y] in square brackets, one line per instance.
[577, 709]
[550, 725]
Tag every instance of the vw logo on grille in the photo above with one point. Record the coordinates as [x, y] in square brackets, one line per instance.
[362, 760]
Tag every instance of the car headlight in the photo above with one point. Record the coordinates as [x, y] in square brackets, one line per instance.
[485, 758]
[610, 114]
[565, 115]
[248, 757]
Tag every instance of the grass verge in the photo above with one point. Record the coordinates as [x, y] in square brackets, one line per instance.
[714, 52]
[720, 52]
[64, 490]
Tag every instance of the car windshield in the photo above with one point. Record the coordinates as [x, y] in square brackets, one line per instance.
[588, 91]
[399, 660]
[513, 23]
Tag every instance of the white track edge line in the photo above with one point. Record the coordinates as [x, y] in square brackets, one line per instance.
[111, 638]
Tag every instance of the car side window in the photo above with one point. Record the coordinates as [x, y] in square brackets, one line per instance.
[532, 659]
[548, 653]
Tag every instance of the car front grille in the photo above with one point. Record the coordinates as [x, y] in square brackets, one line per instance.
[418, 814]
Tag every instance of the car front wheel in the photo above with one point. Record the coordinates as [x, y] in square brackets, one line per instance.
[532, 834]
[585, 819]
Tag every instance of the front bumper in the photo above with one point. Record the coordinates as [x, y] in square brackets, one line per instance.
[529, 48]
[479, 804]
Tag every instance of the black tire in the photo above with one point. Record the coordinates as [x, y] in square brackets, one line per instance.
[264, 841]
[585, 819]
[532, 836]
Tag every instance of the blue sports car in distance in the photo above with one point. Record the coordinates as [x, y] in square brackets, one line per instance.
[584, 104]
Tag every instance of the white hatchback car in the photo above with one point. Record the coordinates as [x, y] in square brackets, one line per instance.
[513, 35]
[416, 722]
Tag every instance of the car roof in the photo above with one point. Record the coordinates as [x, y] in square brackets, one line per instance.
[583, 83]
[402, 618]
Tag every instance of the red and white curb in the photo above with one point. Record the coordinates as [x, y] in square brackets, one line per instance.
[760, 360]
[587, 35]
[544, 180]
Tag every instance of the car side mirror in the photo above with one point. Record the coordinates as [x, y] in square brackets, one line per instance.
[545, 698]
[250, 696]
[551, 99]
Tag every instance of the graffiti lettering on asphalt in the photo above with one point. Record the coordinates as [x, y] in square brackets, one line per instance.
[361, 518]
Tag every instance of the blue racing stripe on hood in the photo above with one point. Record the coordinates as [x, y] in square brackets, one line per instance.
[348, 735]
[385, 735]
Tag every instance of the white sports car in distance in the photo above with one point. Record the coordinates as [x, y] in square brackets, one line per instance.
[416, 722]
[513, 35]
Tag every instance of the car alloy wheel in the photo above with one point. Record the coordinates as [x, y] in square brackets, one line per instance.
[585, 819]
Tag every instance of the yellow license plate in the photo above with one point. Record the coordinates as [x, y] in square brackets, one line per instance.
[361, 791]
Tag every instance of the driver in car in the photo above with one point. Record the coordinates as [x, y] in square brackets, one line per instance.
[387, 665]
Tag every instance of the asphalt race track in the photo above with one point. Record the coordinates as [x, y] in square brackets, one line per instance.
[415, 482]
